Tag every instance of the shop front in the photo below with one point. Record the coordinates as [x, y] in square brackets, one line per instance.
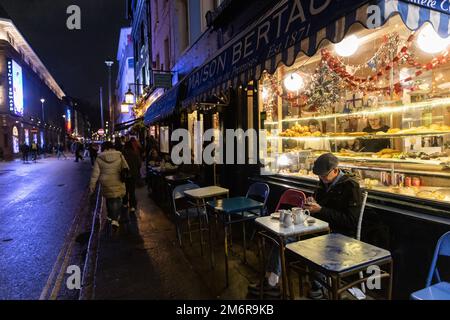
[365, 80]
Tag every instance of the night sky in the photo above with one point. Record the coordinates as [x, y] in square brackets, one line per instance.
[75, 58]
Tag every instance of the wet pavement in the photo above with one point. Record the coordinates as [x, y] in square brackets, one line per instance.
[38, 206]
[144, 261]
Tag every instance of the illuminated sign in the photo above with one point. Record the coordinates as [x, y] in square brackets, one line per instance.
[15, 91]
[42, 139]
[68, 120]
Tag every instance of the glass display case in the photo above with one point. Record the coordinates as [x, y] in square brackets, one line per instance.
[379, 100]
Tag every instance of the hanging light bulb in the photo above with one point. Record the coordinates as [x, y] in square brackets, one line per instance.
[294, 82]
[348, 46]
[430, 42]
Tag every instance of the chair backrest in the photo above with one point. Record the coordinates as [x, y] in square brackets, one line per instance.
[259, 191]
[365, 194]
[178, 192]
[292, 198]
[442, 249]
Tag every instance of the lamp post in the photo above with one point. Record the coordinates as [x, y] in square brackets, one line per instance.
[109, 64]
[101, 108]
[42, 102]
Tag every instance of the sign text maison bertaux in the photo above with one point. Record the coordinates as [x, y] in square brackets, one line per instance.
[286, 25]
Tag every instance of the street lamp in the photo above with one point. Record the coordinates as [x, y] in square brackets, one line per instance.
[43, 101]
[109, 64]
[129, 97]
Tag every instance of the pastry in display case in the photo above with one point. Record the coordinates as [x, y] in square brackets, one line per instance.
[379, 101]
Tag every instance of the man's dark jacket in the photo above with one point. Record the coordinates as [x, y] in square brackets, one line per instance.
[341, 205]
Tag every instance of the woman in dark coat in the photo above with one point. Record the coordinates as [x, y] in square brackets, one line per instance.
[132, 155]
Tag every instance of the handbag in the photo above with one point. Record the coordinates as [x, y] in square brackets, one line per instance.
[125, 174]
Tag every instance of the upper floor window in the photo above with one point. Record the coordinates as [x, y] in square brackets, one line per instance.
[130, 63]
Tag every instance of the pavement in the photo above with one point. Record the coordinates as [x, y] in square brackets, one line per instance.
[145, 262]
[39, 216]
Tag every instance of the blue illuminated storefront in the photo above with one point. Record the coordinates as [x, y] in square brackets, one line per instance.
[23, 116]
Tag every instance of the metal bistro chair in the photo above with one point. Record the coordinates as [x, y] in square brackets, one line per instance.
[188, 212]
[291, 198]
[259, 192]
[440, 290]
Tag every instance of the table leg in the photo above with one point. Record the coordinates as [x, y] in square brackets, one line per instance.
[391, 271]
[211, 248]
[245, 243]
[283, 269]
[226, 254]
[201, 227]
[335, 287]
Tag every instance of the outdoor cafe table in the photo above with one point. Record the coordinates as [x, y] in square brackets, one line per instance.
[233, 206]
[199, 196]
[179, 178]
[274, 227]
[337, 257]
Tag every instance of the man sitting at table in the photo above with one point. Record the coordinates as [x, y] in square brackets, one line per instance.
[336, 201]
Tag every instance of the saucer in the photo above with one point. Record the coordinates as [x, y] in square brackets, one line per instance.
[275, 215]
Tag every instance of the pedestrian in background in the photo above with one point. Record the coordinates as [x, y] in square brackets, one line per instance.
[60, 151]
[25, 149]
[93, 152]
[34, 151]
[132, 154]
[107, 170]
[78, 151]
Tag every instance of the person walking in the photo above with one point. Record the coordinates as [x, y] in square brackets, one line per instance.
[108, 170]
[25, 149]
[34, 151]
[132, 155]
[60, 151]
[78, 151]
[93, 152]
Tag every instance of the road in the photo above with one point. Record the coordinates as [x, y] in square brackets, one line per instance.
[38, 203]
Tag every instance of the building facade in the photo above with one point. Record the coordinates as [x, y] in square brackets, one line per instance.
[125, 79]
[31, 108]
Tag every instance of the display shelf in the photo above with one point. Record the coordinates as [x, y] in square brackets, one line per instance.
[392, 160]
[405, 171]
[365, 137]
[442, 102]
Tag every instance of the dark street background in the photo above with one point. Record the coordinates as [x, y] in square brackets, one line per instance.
[38, 205]
[72, 56]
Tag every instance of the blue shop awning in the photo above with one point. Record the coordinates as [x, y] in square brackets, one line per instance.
[295, 26]
[165, 106]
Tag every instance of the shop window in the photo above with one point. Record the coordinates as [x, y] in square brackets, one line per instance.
[379, 100]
